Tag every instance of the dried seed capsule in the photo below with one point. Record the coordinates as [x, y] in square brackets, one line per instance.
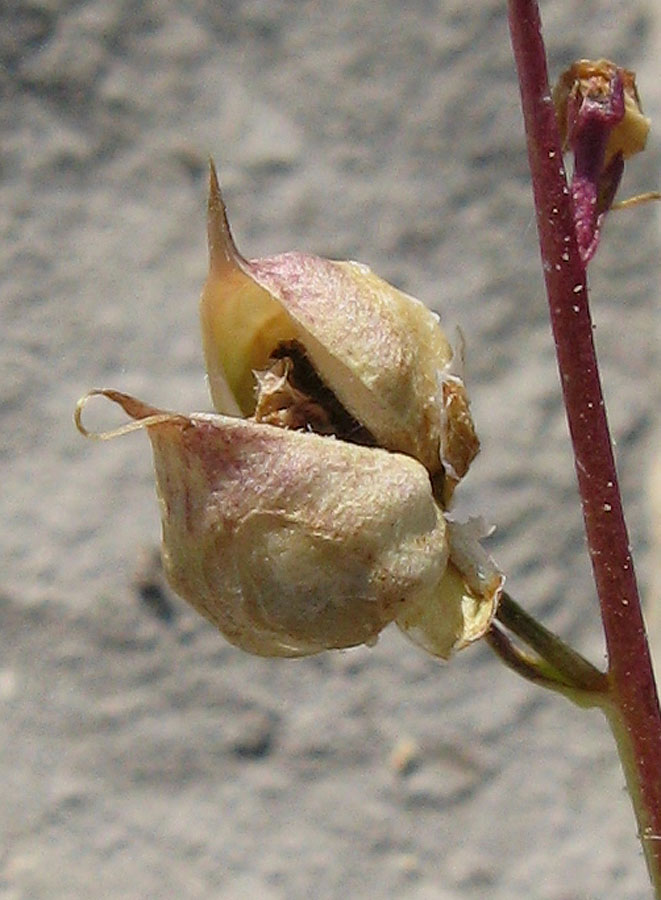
[318, 520]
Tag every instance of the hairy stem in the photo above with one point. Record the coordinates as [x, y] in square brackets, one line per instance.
[634, 714]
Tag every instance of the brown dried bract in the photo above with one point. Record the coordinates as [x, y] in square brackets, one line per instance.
[459, 444]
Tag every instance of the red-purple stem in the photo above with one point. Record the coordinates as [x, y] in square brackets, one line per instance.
[635, 707]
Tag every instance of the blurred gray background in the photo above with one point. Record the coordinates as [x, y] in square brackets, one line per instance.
[140, 755]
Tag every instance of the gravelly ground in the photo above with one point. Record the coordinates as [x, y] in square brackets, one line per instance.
[140, 755]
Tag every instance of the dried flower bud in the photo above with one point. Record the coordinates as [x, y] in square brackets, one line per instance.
[601, 121]
[292, 543]
[378, 352]
[604, 86]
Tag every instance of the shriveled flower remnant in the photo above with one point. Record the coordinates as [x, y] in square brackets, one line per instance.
[310, 511]
[601, 121]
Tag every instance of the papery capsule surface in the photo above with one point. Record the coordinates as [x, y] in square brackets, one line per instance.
[290, 543]
[381, 352]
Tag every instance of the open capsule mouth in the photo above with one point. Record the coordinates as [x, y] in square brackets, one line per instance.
[291, 394]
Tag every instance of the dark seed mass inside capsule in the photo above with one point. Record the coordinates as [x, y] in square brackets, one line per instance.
[290, 394]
